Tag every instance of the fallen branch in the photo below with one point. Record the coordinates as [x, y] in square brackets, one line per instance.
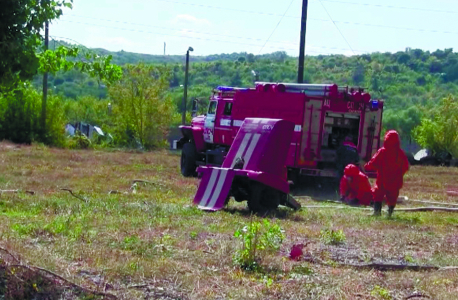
[76, 196]
[16, 191]
[68, 282]
[76, 285]
[10, 254]
[385, 267]
[417, 296]
[147, 181]
[37, 269]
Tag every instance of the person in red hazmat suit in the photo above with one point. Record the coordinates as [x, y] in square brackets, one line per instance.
[391, 164]
[355, 188]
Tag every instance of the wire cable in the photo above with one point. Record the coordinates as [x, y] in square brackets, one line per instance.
[390, 6]
[227, 8]
[337, 28]
[324, 20]
[173, 35]
[276, 26]
[175, 29]
[209, 33]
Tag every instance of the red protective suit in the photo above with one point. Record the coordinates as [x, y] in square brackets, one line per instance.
[355, 185]
[391, 164]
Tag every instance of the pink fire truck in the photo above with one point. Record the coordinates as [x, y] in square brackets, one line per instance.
[323, 114]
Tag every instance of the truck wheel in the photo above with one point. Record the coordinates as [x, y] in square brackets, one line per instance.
[263, 198]
[188, 160]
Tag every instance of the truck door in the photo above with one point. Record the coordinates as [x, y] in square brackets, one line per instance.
[209, 126]
[223, 124]
[370, 133]
[311, 129]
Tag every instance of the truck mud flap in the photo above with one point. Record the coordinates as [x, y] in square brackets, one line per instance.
[214, 188]
[292, 203]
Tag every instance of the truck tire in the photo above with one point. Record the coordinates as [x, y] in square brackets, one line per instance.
[188, 160]
[263, 198]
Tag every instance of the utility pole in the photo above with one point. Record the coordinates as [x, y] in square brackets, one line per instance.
[45, 84]
[300, 72]
[185, 96]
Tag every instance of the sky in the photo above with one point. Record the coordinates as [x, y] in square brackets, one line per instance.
[349, 27]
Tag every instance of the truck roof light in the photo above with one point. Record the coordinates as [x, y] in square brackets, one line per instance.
[366, 97]
[374, 104]
[225, 88]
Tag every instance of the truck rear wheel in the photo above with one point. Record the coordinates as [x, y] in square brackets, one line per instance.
[263, 198]
[188, 160]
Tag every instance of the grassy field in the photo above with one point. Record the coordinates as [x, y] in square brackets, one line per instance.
[146, 241]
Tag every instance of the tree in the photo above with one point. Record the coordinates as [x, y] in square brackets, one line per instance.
[20, 25]
[141, 108]
[439, 133]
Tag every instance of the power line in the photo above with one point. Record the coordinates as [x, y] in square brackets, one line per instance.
[391, 6]
[227, 8]
[337, 27]
[207, 33]
[397, 28]
[197, 38]
[175, 29]
[318, 19]
[276, 26]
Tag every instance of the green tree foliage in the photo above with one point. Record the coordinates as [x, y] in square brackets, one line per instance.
[20, 111]
[20, 25]
[141, 108]
[438, 132]
[410, 82]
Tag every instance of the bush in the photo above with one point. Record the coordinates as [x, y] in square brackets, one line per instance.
[141, 109]
[20, 112]
[257, 239]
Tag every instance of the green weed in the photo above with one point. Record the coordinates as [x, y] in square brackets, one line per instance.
[257, 239]
[381, 292]
[332, 237]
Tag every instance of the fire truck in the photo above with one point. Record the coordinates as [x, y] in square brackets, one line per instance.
[323, 114]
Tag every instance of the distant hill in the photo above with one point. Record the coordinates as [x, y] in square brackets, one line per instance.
[409, 81]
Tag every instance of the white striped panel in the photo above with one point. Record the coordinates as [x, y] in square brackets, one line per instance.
[242, 147]
[210, 185]
[237, 123]
[251, 147]
[218, 188]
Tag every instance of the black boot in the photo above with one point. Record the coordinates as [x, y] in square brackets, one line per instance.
[390, 210]
[377, 209]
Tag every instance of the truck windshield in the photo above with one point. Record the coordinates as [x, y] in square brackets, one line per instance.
[212, 108]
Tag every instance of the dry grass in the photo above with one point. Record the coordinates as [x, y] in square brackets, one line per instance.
[154, 244]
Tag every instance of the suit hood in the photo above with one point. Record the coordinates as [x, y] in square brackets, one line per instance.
[392, 140]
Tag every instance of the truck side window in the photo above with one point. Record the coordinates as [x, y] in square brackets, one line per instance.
[212, 108]
[228, 109]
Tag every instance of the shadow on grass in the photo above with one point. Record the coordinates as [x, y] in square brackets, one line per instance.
[319, 189]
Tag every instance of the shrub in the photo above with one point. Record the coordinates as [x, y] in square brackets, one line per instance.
[257, 240]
